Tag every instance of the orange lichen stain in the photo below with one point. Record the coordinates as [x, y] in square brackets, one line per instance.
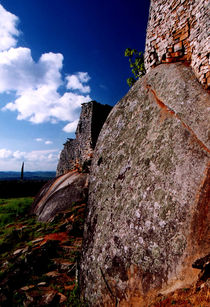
[70, 287]
[61, 236]
[196, 139]
[186, 297]
[161, 104]
[201, 220]
[165, 112]
[90, 155]
[187, 290]
[203, 181]
[168, 111]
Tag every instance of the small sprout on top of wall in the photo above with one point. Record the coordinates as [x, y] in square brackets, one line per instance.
[136, 61]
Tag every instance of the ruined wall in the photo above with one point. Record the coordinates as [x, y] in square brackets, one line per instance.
[78, 151]
[178, 31]
[67, 157]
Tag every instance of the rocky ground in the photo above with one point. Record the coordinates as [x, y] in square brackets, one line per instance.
[38, 262]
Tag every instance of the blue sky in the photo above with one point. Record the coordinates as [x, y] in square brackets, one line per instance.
[55, 55]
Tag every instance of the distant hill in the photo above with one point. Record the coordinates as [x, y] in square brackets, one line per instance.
[27, 175]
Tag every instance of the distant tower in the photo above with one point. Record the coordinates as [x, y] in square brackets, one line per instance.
[22, 171]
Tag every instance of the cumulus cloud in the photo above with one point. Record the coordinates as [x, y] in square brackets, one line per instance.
[48, 142]
[71, 127]
[41, 155]
[8, 30]
[19, 155]
[34, 160]
[76, 82]
[39, 139]
[18, 71]
[36, 84]
[5, 153]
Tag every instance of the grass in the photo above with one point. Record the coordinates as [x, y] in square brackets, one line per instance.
[14, 208]
[13, 216]
[18, 230]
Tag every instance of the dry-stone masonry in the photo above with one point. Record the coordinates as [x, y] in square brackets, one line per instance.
[148, 211]
[178, 30]
[77, 153]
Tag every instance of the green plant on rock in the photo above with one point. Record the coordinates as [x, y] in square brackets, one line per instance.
[136, 61]
[74, 299]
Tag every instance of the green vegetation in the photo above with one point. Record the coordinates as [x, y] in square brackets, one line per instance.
[14, 208]
[74, 298]
[136, 61]
[17, 228]
[39, 260]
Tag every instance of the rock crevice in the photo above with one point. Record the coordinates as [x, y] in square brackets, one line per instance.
[172, 113]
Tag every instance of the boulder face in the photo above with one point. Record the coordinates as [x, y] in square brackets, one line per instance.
[148, 209]
[60, 194]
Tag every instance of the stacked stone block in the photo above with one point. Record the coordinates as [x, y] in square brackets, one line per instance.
[77, 153]
[179, 31]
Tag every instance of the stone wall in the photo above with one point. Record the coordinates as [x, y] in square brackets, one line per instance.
[67, 157]
[178, 31]
[78, 152]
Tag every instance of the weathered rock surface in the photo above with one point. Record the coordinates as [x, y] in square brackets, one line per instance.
[77, 153]
[148, 211]
[60, 194]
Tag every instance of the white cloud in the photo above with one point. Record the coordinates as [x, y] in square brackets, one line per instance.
[71, 127]
[19, 155]
[8, 30]
[34, 160]
[39, 139]
[83, 77]
[5, 153]
[19, 72]
[36, 84]
[41, 155]
[75, 82]
[48, 142]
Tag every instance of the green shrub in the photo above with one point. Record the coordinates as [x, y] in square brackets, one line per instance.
[136, 61]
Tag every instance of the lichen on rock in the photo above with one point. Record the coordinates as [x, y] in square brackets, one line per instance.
[146, 181]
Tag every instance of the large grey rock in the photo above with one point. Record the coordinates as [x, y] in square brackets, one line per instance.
[148, 197]
[60, 194]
